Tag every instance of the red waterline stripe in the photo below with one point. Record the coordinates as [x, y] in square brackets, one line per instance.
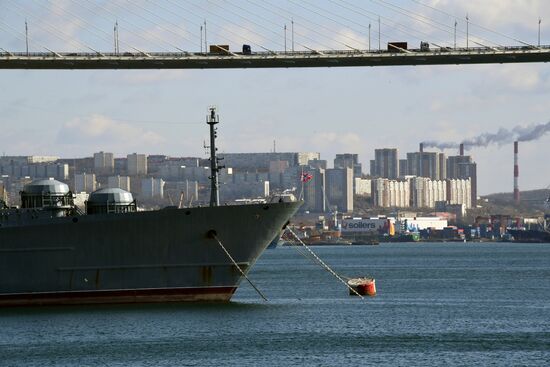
[119, 296]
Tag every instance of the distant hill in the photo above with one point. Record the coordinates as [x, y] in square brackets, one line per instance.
[532, 202]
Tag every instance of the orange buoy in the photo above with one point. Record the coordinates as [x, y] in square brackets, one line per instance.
[363, 286]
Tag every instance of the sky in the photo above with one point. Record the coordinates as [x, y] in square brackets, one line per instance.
[75, 113]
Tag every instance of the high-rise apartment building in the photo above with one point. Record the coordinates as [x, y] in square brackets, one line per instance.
[339, 188]
[119, 182]
[463, 167]
[85, 182]
[152, 188]
[424, 164]
[403, 168]
[348, 160]
[314, 191]
[104, 163]
[386, 163]
[136, 164]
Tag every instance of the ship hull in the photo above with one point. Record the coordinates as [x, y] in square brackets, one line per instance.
[159, 256]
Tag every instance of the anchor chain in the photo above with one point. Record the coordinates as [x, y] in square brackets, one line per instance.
[322, 263]
[237, 266]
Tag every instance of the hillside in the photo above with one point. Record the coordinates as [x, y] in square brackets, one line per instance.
[533, 203]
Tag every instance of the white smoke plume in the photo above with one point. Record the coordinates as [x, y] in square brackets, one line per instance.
[501, 137]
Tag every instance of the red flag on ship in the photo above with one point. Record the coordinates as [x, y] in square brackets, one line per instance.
[306, 177]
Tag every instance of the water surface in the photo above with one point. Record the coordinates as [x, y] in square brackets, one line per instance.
[452, 304]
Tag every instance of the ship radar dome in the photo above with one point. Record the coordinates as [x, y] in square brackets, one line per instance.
[112, 200]
[48, 194]
[47, 186]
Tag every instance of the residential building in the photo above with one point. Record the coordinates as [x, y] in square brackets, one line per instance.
[363, 186]
[85, 182]
[152, 188]
[349, 160]
[339, 188]
[119, 182]
[136, 164]
[386, 163]
[104, 163]
[314, 192]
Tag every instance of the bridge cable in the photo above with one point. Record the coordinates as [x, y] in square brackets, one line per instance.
[122, 25]
[249, 20]
[237, 40]
[193, 41]
[291, 17]
[404, 29]
[268, 20]
[474, 24]
[25, 12]
[95, 33]
[269, 29]
[393, 23]
[285, 17]
[168, 22]
[420, 18]
[365, 12]
[373, 30]
[143, 28]
[168, 10]
[309, 28]
[228, 21]
[239, 36]
[158, 5]
[24, 37]
[97, 28]
[329, 18]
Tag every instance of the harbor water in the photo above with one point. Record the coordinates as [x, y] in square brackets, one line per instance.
[437, 304]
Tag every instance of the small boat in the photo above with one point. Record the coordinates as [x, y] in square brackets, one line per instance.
[363, 286]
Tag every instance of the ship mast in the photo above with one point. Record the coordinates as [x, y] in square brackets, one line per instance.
[213, 119]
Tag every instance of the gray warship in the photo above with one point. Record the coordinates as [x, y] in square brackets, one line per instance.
[52, 254]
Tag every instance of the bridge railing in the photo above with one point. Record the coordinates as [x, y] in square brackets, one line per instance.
[431, 51]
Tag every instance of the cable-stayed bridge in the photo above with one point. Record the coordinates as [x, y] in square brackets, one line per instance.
[156, 60]
[266, 34]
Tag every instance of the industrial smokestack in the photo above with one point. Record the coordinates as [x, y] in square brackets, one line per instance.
[421, 147]
[516, 174]
[461, 149]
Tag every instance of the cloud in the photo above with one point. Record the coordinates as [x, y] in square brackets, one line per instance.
[100, 132]
[338, 141]
[519, 77]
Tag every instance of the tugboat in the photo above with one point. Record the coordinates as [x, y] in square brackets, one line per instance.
[52, 254]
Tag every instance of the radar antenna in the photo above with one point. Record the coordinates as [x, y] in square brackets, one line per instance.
[213, 119]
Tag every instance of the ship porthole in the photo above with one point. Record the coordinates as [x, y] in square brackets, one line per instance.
[75, 220]
[187, 212]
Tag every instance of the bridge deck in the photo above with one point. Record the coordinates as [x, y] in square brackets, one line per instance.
[186, 60]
